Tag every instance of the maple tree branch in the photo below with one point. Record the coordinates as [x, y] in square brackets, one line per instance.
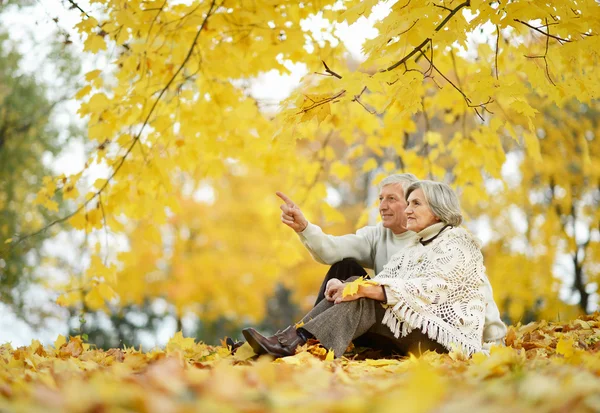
[331, 72]
[101, 205]
[545, 33]
[497, 48]
[404, 31]
[443, 7]
[76, 6]
[408, 56]
[357, 99]
[544, 56]
[437, 29]
[455, 69]
[429, 71]
[452, 13]
[467, 100]
[135, 140]
[155, 18]
[321, 102]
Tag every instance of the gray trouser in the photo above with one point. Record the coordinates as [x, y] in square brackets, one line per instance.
[336, 325]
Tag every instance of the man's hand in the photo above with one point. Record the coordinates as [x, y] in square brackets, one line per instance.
[331, 288]
[291, 214]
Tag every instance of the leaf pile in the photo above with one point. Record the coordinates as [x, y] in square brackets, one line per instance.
[545, 367]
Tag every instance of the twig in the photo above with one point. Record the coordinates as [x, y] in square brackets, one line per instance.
[321, 102]
[481, 105]
[455, 69]
[155, 18]
[328, 70]
[357, 99]
[443, 7]
[497, 47]
[408, 56]
[545, 57]
[105, 227]
[76, 6]
[560, 39]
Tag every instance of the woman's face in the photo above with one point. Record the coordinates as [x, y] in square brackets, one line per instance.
[418, 214]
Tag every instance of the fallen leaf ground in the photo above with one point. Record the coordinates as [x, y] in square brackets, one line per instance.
[546, 367]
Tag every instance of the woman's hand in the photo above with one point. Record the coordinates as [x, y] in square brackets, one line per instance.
[374, 292]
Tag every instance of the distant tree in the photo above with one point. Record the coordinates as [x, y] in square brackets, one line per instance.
[27, 137]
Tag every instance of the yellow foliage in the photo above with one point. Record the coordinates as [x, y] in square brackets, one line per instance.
[194, 158]
[532, 374]
[352, 288]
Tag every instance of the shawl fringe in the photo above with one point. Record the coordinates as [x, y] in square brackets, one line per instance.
[402, 320]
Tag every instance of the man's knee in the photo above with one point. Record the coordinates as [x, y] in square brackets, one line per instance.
[346, 268]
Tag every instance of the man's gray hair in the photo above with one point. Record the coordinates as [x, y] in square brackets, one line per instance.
[405, 179]
[442, 200]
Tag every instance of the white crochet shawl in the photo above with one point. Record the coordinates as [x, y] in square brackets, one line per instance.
[440, 290]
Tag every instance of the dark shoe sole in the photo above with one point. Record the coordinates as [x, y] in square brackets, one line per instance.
[250, 338]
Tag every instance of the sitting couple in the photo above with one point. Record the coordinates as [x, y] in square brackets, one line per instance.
[430, 291]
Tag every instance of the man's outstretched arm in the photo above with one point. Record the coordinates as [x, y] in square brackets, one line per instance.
[328, 249]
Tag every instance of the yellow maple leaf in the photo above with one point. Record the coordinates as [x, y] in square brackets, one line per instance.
[60, 340]
[94, 300]
[94, 43]
[69, 299]
[353, 287]
[245, 352]
[369, 165]
[178, 342]
[83, 92]
[565, 347]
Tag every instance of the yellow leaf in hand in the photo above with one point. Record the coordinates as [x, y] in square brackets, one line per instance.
[353, 287]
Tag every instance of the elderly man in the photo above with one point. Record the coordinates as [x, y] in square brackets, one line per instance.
[373, 246]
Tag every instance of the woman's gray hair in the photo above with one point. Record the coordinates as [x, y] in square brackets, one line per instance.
[405, 179]
[442, 200]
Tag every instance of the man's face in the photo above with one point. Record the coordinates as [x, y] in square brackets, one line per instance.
[391, 208]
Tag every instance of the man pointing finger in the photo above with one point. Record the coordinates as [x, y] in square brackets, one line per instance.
[291, 215]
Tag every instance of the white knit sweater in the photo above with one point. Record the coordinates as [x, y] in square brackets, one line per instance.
[371, 246]
[441, 289]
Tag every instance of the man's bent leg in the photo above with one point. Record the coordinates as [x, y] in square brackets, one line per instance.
[341, 270]
[337, 326]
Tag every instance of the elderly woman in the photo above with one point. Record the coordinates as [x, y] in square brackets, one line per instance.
[430, 296]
